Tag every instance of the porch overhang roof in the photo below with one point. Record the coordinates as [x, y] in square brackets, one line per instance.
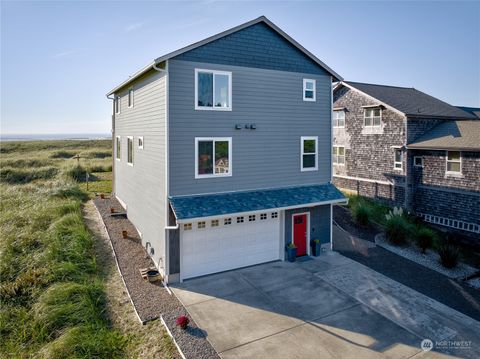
[213, 205]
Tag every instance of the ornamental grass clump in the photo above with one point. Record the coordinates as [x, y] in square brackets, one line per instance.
[396, 226]
[449, 255]
[424, 237]
[362, 213]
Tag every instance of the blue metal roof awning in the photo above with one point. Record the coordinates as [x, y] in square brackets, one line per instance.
[211, 205]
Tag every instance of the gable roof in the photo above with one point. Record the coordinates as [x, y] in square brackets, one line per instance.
[473, 110]
[451, 135]
[409, 101]
[261, 19]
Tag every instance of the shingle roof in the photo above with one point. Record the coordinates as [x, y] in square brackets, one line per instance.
[410, 101]
[190, 207]
[451, 135]
[473, 110]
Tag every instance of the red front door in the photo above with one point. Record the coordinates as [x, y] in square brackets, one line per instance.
[300, 233]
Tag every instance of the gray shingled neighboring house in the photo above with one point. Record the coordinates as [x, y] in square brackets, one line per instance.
[222, 151]
[407, 148]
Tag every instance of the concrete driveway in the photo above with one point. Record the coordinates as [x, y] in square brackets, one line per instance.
[328, 307]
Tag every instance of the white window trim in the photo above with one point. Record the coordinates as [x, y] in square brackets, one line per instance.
[373, 124]
[133, 146]
[140, 147]
[395, 161]
[213, 108]
[453, 173]
[344, 156]
[214, 139]
[314, 90]
[117, 103]
[128, 96]
[118, 155]
[333, 119]
[415, 158]
[302, 139]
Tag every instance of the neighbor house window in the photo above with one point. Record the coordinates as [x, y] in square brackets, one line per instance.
[130, 150]
[309, 153]
[339, 118]
[116, 104]
[418, 161]
[309, 90]
[454, 162]
[372, 117]
[130, 98]
[338, 155]
[140, 142]
[398, 158]
[213, 90]
[213, 157]
[118, 147]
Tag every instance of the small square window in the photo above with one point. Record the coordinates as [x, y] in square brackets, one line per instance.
[309, 90]
[263, 216]
[201, 225]
[339, 118]
[187, 226]
[274, 214]
[214, 223]
[418, 161]
[140, 142]
[239, 219]
[372, 117]
[454, 162]
[227, 221]
[251, 218]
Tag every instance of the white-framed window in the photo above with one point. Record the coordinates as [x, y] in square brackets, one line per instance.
[116, 104]
[372, 116]
[454, 162]
[309, 158]
[240, 220]
[187, 226]
[263, 216]
[130, 150]
[213, 90]
[339, 118]
[213, 157]
[140, 142]
[118, 147]
[227, 221]
[201, 225]
[418, 161]
[274, 214]
[398, 158]
[338, 155]
[214, 223]
[309, 90]
[130, 98]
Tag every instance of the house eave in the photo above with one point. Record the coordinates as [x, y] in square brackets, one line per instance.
[443, 148]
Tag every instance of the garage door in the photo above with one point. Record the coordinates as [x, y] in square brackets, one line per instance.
[228, 243]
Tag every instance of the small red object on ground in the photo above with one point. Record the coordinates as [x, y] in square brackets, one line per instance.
[182, 321]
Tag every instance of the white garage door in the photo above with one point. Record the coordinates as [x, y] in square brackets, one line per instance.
[221, 246]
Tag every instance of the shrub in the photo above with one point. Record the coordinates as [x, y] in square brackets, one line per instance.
[62, 154]
[396, 228]
[182, 321]
[99, 168]
[362, 213]
[76, 173]
[449, 255]
[97, 154]
[424, 237]
[21, 176]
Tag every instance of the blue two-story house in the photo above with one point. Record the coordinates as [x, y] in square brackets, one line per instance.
[222, 151]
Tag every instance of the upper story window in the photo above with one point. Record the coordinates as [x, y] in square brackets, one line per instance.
[309, 161]
[130, 150]
[213, 90]
[454, 162]
[116, 104]
[309, 90]
[130, 98]
[372, 117]
[339, 118]
[418, 161]
[339, 155]
[398, 159]
[213, 157]
[117, 147]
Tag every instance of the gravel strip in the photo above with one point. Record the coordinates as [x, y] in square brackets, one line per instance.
[475, 283]
[430, 260]
[151, 300]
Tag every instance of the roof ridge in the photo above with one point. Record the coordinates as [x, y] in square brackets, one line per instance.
[370, 84]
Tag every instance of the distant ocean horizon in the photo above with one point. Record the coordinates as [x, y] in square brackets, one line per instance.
[55, 136]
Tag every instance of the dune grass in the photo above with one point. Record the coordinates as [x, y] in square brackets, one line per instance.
[52, 297]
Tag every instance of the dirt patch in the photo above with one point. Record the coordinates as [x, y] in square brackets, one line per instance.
[343, 217]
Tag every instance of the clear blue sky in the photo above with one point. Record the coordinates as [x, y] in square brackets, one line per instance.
[59, 58]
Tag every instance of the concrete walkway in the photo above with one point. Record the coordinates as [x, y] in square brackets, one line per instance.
[452, 293]
[328, 307]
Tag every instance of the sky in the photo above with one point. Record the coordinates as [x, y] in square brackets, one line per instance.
[60, 58]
